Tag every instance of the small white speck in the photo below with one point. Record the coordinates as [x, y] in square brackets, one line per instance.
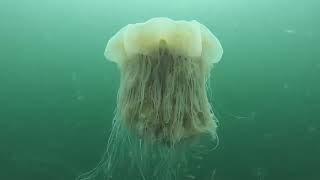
[74, 76]
[307, 92]
[268, 135]
[312, 128]
[289, 31]
[190, 176]
[310, 34]
[80, 98]
[197, 157]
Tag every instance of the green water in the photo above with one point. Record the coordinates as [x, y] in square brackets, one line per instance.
[58, 93]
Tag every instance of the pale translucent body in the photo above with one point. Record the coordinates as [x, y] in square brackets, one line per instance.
[162, 104]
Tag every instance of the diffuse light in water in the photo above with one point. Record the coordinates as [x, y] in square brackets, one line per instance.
[162, 104]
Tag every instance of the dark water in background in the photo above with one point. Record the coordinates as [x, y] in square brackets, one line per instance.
[57, 92]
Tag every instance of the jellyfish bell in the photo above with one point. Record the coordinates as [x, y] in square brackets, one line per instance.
[188, 38]
[162, 103]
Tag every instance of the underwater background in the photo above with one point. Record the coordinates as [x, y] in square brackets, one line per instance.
[58, 92]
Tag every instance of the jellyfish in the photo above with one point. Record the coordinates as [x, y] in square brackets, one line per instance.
[162, 103]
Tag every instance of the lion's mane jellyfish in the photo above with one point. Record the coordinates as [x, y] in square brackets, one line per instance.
[162, 104]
